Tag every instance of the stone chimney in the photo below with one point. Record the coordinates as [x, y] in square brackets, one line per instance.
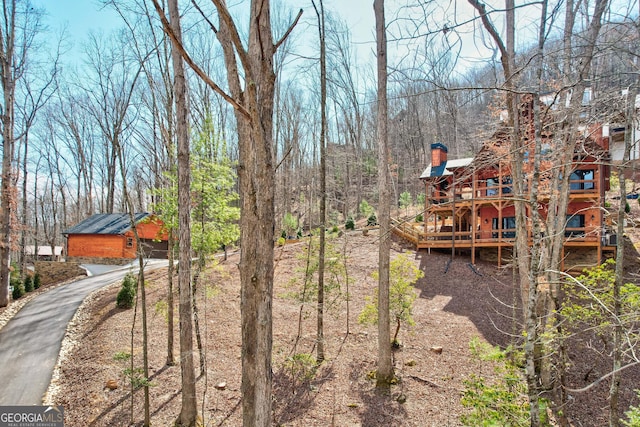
[438, 154]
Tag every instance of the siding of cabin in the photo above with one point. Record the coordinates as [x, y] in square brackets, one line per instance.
[114, 245]
[98, 246]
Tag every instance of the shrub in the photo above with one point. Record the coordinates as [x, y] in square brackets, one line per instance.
[372, 220]
[127, 295]
[28, 284]
[405, 200]
[350, 224]
[419, 218]
[627, 208]
[335, 229]
[281, 241]
[301, 367]
[37, 281]
[122, 356]
[633, 415]
[366, 209]
[403, 274]
[18, 289]
[289, 225]
[421, 198]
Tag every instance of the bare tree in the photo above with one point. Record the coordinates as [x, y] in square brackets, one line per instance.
[19, 25]
[188, 412]
[319, 8]
[385, 366]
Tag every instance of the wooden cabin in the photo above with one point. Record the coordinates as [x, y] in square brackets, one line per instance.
[469, 206]
[111, 237]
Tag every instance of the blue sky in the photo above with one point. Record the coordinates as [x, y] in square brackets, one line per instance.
[79, 17]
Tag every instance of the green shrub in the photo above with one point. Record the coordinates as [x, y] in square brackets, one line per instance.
[372, 220]
[335, 229]
[366, 209]
[127, 295]
[403, 274]
[18, 289]
[281, 241]
[421, 198]
[350, 224]
[301, 367]
[501, 400]
[289, 225]
[627, 208]
[633, 415]
[122, 356]
[405, 200]
[28, 284]
[37, 281]
[419, 218]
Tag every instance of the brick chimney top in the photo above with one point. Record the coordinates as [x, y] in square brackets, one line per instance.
[438, 154]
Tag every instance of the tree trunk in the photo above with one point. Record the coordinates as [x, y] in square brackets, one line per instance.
[618, 341]
[323, 181]
[254, 116]
[188, 411]
[385, 367]
[7, 38]
[171, 361]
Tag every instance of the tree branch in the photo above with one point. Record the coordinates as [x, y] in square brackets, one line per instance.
[235, 37]
[178, 45]
[291, 27]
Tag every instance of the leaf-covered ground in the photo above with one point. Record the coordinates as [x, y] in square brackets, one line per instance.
[455, 304]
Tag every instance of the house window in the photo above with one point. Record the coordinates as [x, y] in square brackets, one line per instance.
[581, 180]
[507, 183]
[574, 226]
[129, 242]
[508, 223]
[492, 182]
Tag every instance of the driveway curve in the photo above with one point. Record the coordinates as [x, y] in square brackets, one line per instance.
[30, 342]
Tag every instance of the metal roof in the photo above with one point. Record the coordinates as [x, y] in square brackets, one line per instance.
[117, 223]
[448, 166]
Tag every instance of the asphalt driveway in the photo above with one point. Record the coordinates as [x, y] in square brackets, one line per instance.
[30, 342]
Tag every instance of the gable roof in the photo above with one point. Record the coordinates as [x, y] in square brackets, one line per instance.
[117, 223]
[446, 168]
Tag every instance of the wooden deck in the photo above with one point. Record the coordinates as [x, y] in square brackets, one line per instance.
[414, 232]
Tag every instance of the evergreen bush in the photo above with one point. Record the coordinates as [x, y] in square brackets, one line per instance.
[18, 289]
[419, 218]
[627, 208]
[127, 295]
[28, 284]
[372, 220]
[350, 224]
[37, 281]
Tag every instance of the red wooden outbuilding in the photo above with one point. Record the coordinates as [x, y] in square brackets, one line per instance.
[112, 236]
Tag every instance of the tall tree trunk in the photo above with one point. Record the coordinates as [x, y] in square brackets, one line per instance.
[23, 233]
[323, 180]
[7, 39]
[188, 411]
[385, 366]
[170, 303]
[618, 341]
[253, 107]
[254, 117]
